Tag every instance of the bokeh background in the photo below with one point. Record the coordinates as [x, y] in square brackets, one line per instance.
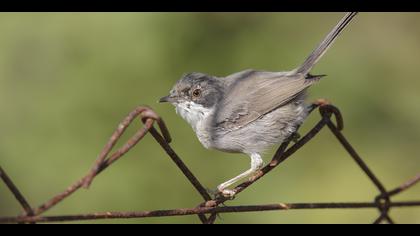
[67, 79]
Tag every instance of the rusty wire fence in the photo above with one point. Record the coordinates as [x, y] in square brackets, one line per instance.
[208, 210]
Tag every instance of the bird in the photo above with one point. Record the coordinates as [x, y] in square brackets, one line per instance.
[249, 111]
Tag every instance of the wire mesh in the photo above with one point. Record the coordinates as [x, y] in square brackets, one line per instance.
[208, 209]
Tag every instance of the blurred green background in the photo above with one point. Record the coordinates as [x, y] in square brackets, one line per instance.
[67, 79]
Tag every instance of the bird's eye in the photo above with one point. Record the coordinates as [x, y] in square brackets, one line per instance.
[196, 93]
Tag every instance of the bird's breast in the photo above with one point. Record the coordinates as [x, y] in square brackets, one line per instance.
[199, 118]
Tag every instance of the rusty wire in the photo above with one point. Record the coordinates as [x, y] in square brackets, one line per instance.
[210, 206]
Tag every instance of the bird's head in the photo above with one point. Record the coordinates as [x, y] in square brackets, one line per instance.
[195, 96]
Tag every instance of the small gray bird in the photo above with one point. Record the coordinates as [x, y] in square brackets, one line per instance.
[249, 111]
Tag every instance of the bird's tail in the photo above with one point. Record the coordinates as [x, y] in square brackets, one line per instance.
[313, 58]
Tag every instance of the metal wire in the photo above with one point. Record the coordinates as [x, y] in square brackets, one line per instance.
[382, 201]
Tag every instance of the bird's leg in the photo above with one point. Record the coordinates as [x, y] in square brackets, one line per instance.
[256, 164]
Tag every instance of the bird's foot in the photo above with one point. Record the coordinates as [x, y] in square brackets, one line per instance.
[226, 193]
[255, 176]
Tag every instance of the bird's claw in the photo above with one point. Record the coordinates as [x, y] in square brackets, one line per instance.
[255, 176]
[227, 193]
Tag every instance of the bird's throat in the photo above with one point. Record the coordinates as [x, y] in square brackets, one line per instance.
[193, 113]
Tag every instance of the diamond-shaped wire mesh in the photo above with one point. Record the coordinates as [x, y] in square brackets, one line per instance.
[208, 210]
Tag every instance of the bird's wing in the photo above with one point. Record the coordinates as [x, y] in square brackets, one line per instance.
[251, 94]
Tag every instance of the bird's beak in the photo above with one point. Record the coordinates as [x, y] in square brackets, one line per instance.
[166, 99]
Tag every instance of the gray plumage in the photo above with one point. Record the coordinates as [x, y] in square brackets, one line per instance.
[262, 109]
[249, 111]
